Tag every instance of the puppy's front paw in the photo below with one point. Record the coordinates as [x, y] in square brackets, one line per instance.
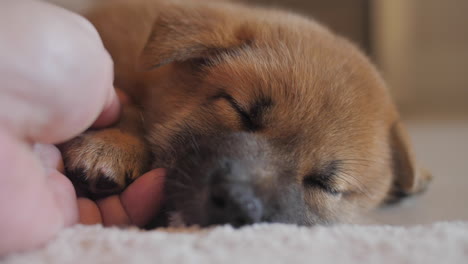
[105, 161]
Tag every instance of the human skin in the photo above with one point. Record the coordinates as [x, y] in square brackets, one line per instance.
[55, 82]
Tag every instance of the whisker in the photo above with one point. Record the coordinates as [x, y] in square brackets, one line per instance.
[182, 173]
[360, 160]
[355, 182]
[178, 184]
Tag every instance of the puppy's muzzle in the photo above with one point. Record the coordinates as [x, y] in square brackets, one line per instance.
[234, 178]
[217, 181]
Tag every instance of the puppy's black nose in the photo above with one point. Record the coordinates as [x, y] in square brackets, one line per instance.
[235, 204]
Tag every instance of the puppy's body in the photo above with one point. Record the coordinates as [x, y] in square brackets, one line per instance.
[260, 115]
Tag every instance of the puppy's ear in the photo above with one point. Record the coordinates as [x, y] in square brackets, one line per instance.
[408, 178]
[186, 33]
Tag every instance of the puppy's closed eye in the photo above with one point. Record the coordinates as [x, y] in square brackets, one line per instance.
[244, 115]
[323, 179]
[247, 121]
[316, 181]
[252, 116]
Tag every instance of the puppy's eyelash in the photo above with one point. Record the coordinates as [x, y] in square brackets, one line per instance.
[243, 114]
[316, 182]
[252, 118]
[323, 178]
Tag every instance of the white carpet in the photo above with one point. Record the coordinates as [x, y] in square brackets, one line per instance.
[437, 243]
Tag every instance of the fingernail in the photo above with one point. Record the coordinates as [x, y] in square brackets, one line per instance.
[123, 97]
[111, 112]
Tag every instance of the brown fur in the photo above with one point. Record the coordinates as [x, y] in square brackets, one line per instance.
[320, 102]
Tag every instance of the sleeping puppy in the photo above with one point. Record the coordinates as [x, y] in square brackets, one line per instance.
[260, 116]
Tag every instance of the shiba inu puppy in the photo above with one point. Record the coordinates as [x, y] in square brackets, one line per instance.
[259, 115]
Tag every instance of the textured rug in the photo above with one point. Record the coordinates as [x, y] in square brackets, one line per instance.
[436, 243]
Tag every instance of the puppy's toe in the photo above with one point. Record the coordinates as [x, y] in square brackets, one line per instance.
[94, 187]
[104, 162]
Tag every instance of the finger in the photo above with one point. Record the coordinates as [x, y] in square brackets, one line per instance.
[50, 156]
[65, 196]
[142, 199]
[63, 77]
[89, 212]
[110, 113]
[30, 215]
[60, 185]
[112, 211]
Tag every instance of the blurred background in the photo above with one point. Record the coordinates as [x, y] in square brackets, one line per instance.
[421, 48]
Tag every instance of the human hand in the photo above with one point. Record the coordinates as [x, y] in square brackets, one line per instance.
[55, 82]
[136, 205]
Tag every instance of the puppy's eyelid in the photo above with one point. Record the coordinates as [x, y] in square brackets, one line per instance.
[316, 182]
[323, 179]
[246, 119]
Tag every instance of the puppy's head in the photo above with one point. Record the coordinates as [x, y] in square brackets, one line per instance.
[267, 116]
